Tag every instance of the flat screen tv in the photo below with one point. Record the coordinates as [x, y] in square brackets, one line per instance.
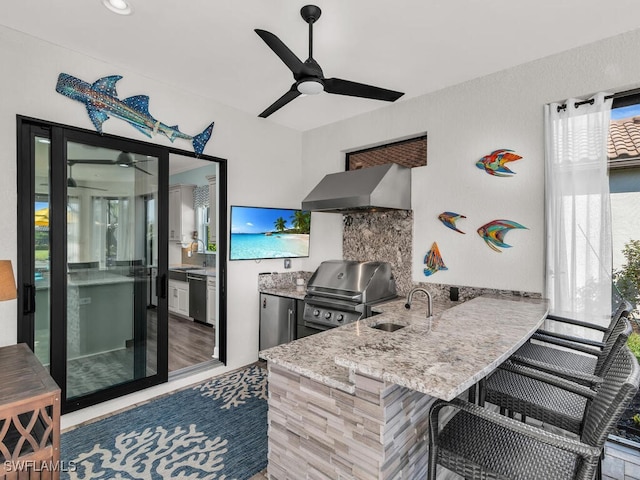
[261, 233]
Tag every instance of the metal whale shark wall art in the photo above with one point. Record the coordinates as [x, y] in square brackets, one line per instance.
[102, 102]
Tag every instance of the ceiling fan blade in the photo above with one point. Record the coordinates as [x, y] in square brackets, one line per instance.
[93, 188]
[354, 89]
[281, 102]
[97, 161]
[281, 50]
[141, 169]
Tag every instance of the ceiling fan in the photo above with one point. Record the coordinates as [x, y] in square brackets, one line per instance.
[308, 75]
[71, 182]
[125, 160]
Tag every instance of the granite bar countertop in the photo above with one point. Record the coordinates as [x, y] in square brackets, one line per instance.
[443, 357]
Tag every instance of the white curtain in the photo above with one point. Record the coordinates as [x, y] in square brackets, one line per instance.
[578, 216]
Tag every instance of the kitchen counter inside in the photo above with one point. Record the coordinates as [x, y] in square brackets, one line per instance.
[209, 271]
[442, 357]
[89, 278]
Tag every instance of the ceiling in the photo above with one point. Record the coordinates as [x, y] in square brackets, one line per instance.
[209, 48]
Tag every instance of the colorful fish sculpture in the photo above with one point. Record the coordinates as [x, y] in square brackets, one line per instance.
[101, 100]
[449, 220]
[433, 261]
[493, 233]
[494, 163]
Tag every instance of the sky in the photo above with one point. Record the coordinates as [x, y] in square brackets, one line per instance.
[258, 220]
[625, 112]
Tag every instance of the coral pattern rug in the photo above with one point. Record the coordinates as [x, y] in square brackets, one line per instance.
[216, 430]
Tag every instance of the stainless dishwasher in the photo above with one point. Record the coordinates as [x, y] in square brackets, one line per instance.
[197, 296]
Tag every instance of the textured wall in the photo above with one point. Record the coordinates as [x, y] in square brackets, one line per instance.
[384, 237]
[463, 123]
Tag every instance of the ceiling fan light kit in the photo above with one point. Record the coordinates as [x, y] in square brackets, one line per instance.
[308, 76]
[121, 7]
[310, 87]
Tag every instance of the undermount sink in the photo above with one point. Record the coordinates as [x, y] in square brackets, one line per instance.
[388, 327]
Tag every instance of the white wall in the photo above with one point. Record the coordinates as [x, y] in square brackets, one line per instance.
[263, 158]
[464, 123]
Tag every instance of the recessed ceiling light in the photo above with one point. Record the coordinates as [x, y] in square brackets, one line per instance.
[120, 7]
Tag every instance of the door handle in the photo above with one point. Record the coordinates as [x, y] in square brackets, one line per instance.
[29, 303]
[162, 283]
[292, 325]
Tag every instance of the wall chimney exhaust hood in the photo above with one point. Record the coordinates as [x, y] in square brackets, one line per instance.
[384, 187]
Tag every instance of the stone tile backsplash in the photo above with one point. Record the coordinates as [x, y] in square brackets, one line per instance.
[382, 237]
[281, 280]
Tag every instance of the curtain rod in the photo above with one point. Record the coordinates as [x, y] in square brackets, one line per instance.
[628, 93]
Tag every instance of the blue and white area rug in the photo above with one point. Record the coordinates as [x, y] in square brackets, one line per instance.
[216, 430]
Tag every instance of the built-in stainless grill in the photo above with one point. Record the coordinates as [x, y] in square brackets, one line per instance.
[342, 291]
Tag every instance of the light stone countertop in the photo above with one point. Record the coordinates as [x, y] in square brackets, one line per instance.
[442, 358]
[290, 292]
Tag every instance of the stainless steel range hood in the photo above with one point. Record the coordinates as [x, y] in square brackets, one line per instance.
[384, 187]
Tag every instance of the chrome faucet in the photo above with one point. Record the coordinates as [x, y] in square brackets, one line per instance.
[196, 240]
[429, 301]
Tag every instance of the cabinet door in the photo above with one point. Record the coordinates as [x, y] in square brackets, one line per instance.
[175, 205]
[187, 213]
[173, 297]
[212, 210]
[277, 320]
[183, 300]
[211, 302]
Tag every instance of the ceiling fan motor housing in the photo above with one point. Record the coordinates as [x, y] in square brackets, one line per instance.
[310, 13]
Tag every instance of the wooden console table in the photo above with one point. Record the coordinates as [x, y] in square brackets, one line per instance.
[29, 417]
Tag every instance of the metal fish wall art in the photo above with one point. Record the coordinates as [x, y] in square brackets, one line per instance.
[494, 163]
[102, 102]
[449, 220]
[433, 261]
[493, 233]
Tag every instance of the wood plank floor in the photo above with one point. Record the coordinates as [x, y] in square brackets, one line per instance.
[190, 343]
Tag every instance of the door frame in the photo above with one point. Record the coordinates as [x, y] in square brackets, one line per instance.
[58, 134]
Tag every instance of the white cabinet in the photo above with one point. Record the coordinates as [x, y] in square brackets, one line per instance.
[211, 301]
[182, 219]
[179, 297]
[213, 209]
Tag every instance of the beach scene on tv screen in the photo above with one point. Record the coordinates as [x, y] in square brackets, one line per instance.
[258, 232]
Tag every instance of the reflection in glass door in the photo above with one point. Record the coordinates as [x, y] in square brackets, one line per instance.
[108, 268]
[39, 288]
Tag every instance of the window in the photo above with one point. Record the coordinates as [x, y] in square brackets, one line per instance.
[408, 153]
[624, 182]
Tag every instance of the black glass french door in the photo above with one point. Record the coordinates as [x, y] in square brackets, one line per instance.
[90, 234]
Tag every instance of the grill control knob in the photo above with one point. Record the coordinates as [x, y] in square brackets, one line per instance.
[340, 317]
[327, 315]
[316, 313]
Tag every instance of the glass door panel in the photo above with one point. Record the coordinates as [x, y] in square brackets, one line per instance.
[111, 335]
[41, 253]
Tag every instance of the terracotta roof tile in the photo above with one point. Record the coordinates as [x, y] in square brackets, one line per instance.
[624, 139]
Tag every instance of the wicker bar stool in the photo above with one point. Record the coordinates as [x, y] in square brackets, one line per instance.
[480, 444]
[588, 361]
[623, 309]
[545, 396]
